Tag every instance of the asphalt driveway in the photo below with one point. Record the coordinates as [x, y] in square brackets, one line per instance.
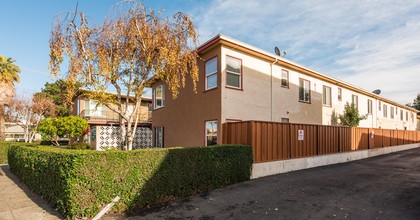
[384, 187]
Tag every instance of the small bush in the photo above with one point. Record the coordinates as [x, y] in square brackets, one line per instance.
[80, 183]
[4, 148]
[80, 146]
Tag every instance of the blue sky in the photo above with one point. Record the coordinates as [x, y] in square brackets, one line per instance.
[369, 43]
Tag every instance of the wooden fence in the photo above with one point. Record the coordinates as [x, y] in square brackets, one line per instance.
[273, 141]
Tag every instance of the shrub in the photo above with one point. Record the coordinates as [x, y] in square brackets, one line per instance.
[80, 146]
[4, 147]
[80, 183]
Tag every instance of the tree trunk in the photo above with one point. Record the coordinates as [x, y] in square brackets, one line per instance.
[123, 135]
[2, 124]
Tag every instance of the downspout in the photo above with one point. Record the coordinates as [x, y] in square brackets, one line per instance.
[271, 91]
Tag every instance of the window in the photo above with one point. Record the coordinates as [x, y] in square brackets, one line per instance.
[326, 96]
[392, 112]
[284, 78]
[379, 106]
[233, 72]
[92, 108]
[158, 137]
[385, 111]
[406, 116]
[211, 73]
[401, 115]
[369, 106]
[211, 133]
[159, 97]
[304, 91]
[355, 100]
[339, 94]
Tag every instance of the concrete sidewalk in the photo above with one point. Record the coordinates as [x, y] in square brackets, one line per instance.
[17, 202]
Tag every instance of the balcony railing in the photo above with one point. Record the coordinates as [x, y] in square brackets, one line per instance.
[110, 116]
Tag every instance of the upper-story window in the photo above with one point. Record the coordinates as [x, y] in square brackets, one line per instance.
[339, 94]
[385, 111]
[304, 91]
[369, 106]
[379, 106]
[392, 112]
[406, 116]
[355, 101]
[233, 72]
[211, 73]
[326, 96]
[92, 108]
[284, 78]
[159, 97]
[401, 115]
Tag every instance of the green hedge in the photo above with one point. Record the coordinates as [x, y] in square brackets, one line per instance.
[80, 182]
[4, 147]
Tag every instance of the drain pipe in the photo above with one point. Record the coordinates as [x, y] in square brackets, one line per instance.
[271, 86]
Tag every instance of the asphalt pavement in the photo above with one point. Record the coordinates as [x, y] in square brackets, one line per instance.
[383, 187]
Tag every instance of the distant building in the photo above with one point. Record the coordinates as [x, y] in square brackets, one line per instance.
[15, 132]
[104, 123]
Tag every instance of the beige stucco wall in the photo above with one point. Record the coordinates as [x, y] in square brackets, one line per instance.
[263, 98]
[184, 118]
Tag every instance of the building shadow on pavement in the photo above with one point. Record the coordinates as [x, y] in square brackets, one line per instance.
[20, 199]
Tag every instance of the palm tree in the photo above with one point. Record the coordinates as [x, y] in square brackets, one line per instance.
[9, 75]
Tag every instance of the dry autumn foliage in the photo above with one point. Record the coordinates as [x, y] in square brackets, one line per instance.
[28, 113]
[133, 45]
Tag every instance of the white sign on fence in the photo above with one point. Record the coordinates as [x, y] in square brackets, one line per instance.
[301, 135]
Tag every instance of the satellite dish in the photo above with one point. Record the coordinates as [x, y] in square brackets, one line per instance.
[277, 51]
[377, 91]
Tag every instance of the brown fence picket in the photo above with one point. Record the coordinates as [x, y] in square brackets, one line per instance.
[273, 141]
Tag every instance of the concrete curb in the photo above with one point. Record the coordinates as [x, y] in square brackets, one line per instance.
[284, 166]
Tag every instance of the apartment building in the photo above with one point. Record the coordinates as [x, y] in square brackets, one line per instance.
[104, 123]
[239, 82]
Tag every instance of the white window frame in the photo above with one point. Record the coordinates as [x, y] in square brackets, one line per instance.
[385, 111]
[206, 135]
[355, 100]
[155, 98]
[324, 96]
[305, 90]
[210, 74]
[370, 106]
[284, 78]
[234, 73]
[339, 94]
[392, 112]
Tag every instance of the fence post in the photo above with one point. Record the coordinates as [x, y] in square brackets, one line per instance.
[318, 140]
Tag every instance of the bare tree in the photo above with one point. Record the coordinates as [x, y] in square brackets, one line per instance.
[28, 113]
[133, 45]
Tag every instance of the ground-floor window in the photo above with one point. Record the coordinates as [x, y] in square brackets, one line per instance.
[211, 132]
[158, 137]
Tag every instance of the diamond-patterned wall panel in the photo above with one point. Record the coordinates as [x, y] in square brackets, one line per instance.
[109, 137]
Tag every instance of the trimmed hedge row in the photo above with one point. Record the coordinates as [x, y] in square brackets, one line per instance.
[80, 182]
[4, 147]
